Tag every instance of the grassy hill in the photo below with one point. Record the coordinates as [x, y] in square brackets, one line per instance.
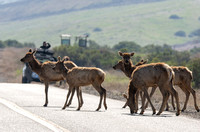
[144, 23]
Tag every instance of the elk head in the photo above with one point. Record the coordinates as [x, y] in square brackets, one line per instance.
[59, 66]
[126, 57]
[28, 57]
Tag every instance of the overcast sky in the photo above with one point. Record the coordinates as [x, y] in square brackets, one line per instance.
[7, 1]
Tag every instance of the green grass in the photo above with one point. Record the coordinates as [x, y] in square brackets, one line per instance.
[142, 23]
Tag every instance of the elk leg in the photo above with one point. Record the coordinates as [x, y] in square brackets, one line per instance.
[104, 102]
[148, 98]
[175, 94]
[143, 102]
[173, 105]
[46, 94]
[69, 92]
[78, 96]
[125, 105]
[151, 94]
[100, 91]
[81, 97]
[164, 102]
[70, 101]
[195, 99]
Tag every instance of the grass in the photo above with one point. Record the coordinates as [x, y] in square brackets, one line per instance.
[142, 23]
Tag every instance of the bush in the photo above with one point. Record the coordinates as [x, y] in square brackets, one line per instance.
[97, 29]
[15, 43]
[195, 33]
[174, 16]
[129, 46]
[194, 66]
[102, 58]
[180, 34]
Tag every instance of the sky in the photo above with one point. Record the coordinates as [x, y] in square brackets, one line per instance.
[7, 1]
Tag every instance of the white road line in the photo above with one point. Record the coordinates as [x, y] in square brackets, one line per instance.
[52, 126]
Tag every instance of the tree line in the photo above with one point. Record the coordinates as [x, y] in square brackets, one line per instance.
[15, 43]
[105, 57]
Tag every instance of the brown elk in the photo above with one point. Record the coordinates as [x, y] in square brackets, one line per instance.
[120, 66]
[149, 75]
[149, 78]
[45, 71]
[83, 76]
[183, 79]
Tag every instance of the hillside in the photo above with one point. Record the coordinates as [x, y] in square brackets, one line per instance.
[144, 23]
[12, 10]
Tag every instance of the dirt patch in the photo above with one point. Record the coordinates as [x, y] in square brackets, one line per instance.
[10, 65]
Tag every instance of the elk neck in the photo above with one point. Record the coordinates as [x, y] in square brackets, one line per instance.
[35, 65]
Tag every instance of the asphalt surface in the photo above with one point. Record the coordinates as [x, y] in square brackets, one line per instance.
[21, 109]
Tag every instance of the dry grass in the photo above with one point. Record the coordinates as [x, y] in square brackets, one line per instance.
[10, 65]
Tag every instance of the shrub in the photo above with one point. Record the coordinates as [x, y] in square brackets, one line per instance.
[194, 66]
[180, 34]
[129, 46]
[174, 16]
[97, 29]
[195, 33]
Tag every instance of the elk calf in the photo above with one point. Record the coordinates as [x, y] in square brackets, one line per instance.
[83, 76]
[183, 79]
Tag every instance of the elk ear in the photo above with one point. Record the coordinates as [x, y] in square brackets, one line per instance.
[145, 62]
[59, 58]
[132, 54]
[120, 53]
[66, 58]
[34, 52]
[30, 50]
[63, 60]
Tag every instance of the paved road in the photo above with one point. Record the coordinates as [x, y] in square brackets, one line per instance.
[21, 110]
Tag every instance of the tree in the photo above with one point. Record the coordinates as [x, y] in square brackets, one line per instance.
[130, 46]
[194, 66]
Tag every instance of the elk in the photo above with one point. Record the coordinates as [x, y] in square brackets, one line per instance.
[149, 75]
[120, 66]
[45, 71]
[183, 79]
[147, 82]
[82, 76]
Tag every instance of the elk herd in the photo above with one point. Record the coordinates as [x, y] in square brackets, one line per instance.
[142, 76]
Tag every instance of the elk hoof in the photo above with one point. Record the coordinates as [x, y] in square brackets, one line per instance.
[78, 109]
[177, 114]
[45, 105]
[97, 109]
[106, 107]
[68, 105]
[141, 113]
[182, 110]
[158, 113]
[197, 110]
[63, 108]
